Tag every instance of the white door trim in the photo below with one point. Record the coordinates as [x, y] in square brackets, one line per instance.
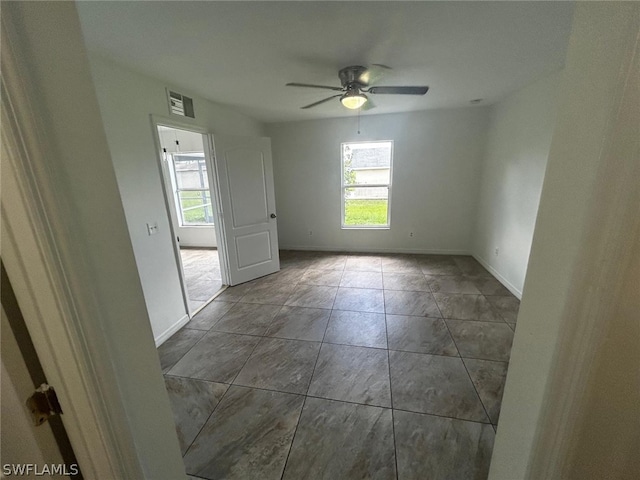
[168, 197]
[157, 120]
[598, 281]
[220, 226]
[585, 231]
[43, 291]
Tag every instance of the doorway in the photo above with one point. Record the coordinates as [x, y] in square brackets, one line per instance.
[192, 213]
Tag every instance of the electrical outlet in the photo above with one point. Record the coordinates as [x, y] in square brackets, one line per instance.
[497, 251]
[310, 233]
[411, 234]
[152, 228]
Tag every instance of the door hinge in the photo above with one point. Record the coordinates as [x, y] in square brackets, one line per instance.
[43, 403]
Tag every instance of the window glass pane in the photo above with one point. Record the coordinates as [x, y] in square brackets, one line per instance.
[191, 170]
[366, 163]
[368, 193]
[196, 207]
[366, 206]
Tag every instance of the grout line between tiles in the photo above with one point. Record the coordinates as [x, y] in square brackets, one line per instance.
[293, 438]
[205, 422]
[499, 322]
[356, 403]
[393, 420]
[306, 396]
[486, 412]
[246, 360]
[192, 346]
[442, 416]
[196, 379]
[323, 341]
[304, 402]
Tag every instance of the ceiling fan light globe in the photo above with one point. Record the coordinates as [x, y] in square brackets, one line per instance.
[353, 101]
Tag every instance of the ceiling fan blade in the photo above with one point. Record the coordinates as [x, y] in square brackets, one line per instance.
[368, 105]
[321, 101]
[309, 85]
[399, 90]
[373, 73]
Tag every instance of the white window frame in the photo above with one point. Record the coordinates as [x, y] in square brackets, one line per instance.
[344, 186]
[176, 195]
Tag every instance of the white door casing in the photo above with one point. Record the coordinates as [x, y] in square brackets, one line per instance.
[168, 188]
[244, 170]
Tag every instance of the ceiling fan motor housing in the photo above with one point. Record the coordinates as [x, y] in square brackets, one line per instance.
[352, 76]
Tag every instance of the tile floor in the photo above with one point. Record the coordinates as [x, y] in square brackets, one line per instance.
[202, 275]
[345, 367]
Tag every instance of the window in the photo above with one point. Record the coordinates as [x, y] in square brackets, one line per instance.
[193, 198]
[366, 184]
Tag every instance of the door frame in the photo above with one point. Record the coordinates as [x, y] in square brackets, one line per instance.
[42, 286]
[156, 121]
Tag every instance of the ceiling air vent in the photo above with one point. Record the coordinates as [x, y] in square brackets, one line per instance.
[180, 105]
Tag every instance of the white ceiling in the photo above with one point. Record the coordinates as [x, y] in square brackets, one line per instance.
[242, 53]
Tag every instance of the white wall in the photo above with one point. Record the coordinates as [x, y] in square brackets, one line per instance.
[436, 164]
[126, 100]
[577, 259]
[515, 159]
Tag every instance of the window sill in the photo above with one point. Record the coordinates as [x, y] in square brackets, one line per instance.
[362, 227]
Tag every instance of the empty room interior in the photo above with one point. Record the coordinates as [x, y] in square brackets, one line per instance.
[332, 212]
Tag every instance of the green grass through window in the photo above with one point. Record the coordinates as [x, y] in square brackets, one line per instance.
[195, 216]
[365, 212]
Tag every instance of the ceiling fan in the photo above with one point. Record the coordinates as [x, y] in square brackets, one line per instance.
[356, 81]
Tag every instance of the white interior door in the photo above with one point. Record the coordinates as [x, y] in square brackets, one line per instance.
[249, 227]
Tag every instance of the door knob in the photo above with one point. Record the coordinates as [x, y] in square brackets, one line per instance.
[273, 215]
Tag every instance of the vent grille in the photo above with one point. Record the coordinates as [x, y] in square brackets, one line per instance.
[180, 104]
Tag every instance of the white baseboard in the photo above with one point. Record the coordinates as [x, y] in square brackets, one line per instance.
[375, 250]
[517, 292]
[163, 337]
